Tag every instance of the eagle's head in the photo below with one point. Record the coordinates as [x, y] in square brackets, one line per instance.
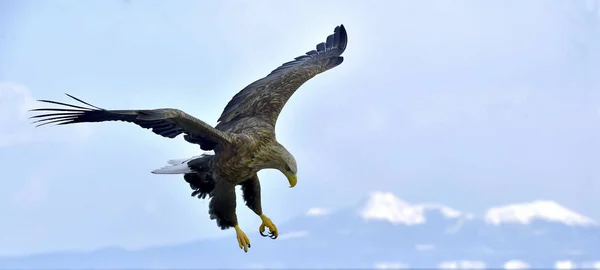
[285, 163]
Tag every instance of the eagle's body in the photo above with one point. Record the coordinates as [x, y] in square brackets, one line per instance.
[243, 141]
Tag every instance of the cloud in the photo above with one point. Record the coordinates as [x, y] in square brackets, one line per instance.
[15, 102]
[391, 265]
[516, 264]
[465, 264]
[564, 265]
[315, 211]
[296, 234]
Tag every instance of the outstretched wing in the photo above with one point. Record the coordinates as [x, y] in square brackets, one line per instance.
[164, 122]
[265, 98]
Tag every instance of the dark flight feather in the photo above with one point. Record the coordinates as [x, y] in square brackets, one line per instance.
[265, 98]
[168, 123]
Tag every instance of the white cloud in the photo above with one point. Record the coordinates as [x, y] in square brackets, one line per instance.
[564, 265]
[424, 247]
[386, 206]
[15, 102]
[464, 264]
[296, 234]
[391, 265]
[14, 92]
[527, 212]
[516, 264]
[315, 211]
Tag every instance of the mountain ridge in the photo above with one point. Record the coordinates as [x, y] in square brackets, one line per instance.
[382, 231]
[387, 206]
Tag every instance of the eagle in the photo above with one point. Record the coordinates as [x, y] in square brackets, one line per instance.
[243, 141]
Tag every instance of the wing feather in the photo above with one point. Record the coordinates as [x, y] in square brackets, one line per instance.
[168, 123]
[265, 98]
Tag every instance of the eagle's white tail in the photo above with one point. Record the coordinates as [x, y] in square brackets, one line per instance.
[181, 160]
[178, 166]
[174, 169]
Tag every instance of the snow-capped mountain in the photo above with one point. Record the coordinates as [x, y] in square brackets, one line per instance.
[382, 232]
[386, 206]
[538, 210]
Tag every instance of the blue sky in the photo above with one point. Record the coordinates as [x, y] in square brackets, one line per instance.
[469, 103]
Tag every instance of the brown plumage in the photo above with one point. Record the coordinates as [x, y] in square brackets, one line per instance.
[243, 141]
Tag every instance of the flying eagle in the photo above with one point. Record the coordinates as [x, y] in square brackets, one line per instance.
[243, 141]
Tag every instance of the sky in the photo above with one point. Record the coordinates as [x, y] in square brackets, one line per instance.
[472, 104]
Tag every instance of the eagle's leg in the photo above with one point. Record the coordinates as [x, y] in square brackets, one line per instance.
[242, 238]
[251, 192]
[222, 208]
[266, 222]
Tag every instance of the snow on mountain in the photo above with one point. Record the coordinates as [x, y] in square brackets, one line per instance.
[525, 213]
[465, 264]
[589, 265]
[382, 232]
[516, 264]
[386, 206]
[564, 265]
[391, 265]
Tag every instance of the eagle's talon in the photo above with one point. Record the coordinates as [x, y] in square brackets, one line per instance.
[242, 239]
[267, 223]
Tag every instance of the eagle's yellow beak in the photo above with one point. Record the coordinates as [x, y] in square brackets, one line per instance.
[292, 179]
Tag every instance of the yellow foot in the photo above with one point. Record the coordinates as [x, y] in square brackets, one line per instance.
[267, 223]
[242, 239]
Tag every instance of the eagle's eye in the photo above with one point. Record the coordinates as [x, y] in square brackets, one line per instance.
[287, 168]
